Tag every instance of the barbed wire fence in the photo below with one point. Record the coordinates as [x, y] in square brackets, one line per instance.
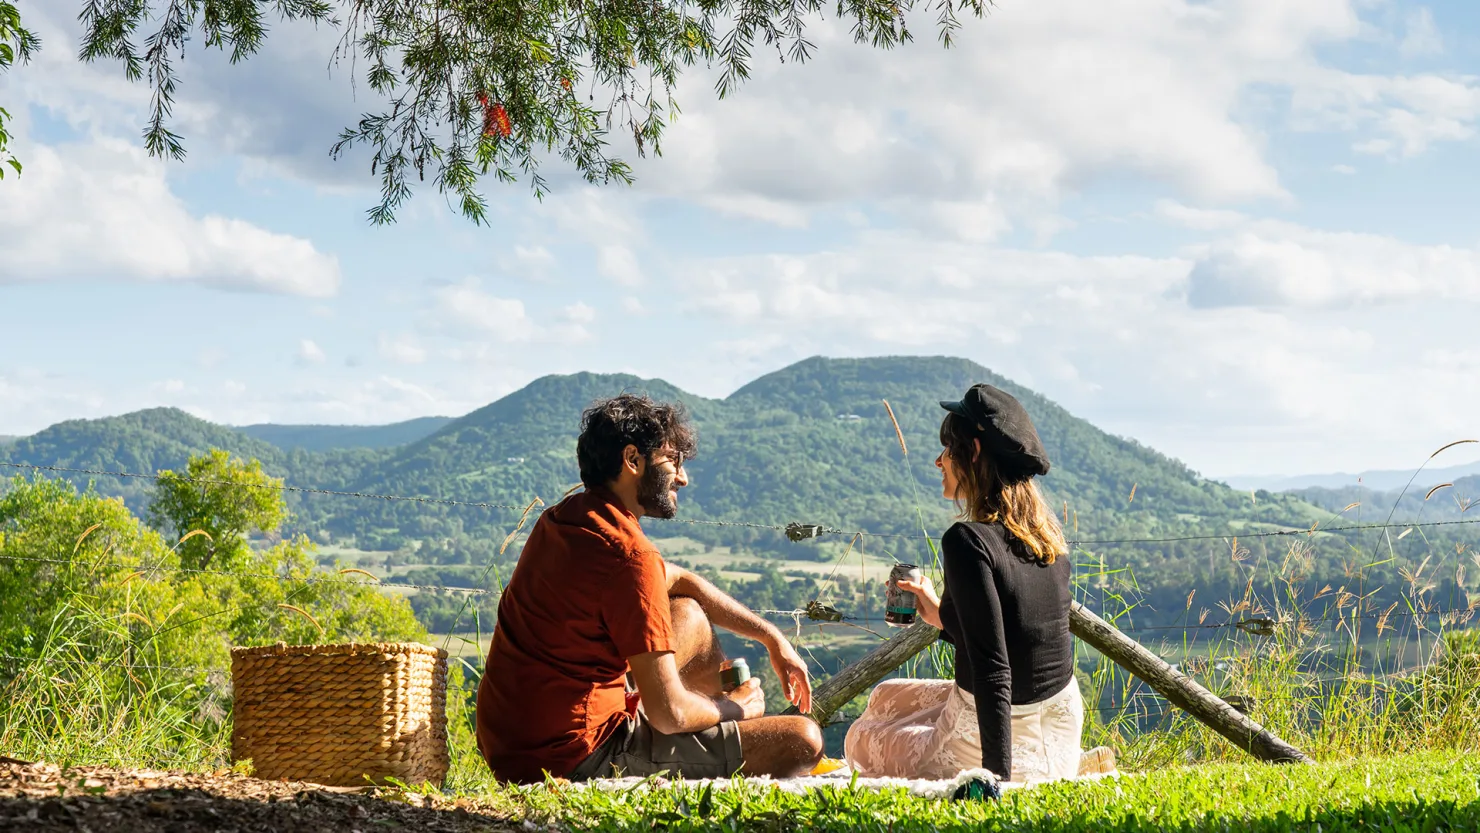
[815, 614]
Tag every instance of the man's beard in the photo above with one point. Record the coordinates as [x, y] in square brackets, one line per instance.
[653, 493]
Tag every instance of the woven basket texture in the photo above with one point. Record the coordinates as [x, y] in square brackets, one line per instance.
[337, 714]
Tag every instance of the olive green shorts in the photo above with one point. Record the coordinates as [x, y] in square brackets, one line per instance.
[638, 749]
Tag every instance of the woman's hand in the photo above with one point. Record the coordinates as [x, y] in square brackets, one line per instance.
[924, 592]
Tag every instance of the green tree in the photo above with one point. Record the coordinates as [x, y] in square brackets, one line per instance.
[225, 498]
[59, 547]
[15, 42]
[477, 87]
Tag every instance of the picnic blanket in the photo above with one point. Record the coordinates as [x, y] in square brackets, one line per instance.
[948, 788]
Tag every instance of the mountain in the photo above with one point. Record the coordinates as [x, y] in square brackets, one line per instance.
[811, 443]
[332, 437]
[1378, 481]
[143, 441]
[1446, 500]
[6, 439]
[165, 438]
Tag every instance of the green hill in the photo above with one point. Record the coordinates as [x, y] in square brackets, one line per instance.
[1448, 501]
[143, 441]
[811, 442]
[334, 437]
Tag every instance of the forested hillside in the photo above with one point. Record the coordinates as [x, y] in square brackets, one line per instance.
[811, 443]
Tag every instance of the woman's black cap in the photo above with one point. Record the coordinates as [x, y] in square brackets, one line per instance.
[1005, 428]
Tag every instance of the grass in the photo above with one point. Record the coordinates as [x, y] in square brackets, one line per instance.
[1420, 792]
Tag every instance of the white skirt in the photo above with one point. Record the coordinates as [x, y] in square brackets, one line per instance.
[928, 729]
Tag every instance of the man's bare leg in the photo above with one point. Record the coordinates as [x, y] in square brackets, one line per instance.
[696, 649]
[778, 746]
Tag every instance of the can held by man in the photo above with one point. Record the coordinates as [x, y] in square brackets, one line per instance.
[900, 606]
[733, 673]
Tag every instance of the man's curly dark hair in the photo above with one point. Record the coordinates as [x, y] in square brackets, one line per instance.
[610, 425]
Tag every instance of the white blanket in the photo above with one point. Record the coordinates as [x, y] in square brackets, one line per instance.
[838, 779]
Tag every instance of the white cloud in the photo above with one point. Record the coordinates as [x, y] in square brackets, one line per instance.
[403, 348]
[1344, 170]
[103, 211]
[1038, 99]
[1400, 116]
[579, 313]
[620, 264]
[1114, 339]
[310, 353]
[1421, 37]
[1282, 266]
[467, 308]
[1201, 219]
[534, 261]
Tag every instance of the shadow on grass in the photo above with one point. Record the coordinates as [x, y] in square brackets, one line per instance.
[196, 811]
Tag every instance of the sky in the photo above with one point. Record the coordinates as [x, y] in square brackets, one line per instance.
[1242, 232]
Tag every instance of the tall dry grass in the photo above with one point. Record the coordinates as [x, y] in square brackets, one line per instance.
[1335, 673]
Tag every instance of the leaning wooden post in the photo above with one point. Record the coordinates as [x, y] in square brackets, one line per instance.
[831, 694]
[1179, 689]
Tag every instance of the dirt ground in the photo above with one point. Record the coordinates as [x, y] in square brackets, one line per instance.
[44, 797]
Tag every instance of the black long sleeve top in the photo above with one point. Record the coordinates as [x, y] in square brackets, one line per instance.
[1007, 613]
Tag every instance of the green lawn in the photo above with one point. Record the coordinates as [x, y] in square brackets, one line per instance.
[1424, 792]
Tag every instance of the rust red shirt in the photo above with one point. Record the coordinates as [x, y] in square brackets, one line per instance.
[589, 591]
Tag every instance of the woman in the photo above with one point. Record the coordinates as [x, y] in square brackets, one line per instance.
[1014, 707]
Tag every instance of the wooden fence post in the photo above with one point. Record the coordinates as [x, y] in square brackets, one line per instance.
[1179, 689]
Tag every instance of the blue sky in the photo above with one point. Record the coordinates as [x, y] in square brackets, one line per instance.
[1240, 231]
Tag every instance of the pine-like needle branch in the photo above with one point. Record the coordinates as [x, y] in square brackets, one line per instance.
[480, 87]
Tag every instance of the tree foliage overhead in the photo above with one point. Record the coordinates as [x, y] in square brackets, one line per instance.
[477, 88]
[16, 42]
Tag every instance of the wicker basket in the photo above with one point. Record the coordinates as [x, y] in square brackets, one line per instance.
[335, 714]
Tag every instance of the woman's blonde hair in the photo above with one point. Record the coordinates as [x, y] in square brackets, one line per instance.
[984, 496]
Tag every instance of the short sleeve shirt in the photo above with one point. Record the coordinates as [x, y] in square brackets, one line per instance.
[589, 591]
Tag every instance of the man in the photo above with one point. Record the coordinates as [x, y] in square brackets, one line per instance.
[591, 599]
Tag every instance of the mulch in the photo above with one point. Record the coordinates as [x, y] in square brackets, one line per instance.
[45, 797]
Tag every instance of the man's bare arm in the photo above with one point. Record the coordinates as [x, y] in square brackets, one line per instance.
[673, 709]
[722, 610]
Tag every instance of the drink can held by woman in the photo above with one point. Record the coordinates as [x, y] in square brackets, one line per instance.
[733, 672]
[900, 605]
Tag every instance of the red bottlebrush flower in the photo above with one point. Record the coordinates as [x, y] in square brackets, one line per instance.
[495, 117]
[565, 82]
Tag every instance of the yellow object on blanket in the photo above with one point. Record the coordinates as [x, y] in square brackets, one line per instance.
[827, 765]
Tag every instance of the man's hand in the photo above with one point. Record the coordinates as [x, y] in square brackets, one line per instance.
[748, 698]
[791, 671]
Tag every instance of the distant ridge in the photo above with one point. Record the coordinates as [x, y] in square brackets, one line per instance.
[1382, 480]
[332, 437]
